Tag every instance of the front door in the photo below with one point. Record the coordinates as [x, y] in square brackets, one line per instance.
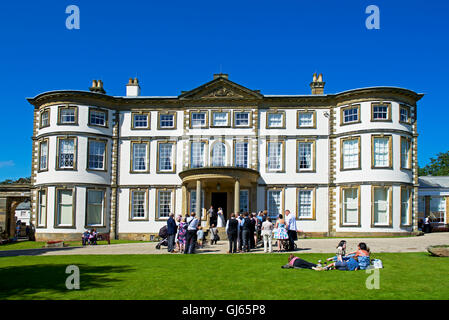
[220, 200]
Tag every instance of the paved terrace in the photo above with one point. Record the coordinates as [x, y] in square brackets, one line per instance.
[406, 244]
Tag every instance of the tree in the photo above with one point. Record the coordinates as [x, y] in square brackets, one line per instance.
[18, 181]
[436, 167]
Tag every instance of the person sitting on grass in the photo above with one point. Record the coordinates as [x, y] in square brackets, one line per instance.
[354, 261]
[341, 252]
[362, 255]
[297, 263]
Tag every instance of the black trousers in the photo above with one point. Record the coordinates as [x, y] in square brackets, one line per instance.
[232, 237]
[240, 240]
[246, 240]
[213, 221]
[171, 242]
[303, 264]
[292, 236]
[190, 241]
[252, 243]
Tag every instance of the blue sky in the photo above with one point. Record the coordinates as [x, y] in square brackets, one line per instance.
[273, 46]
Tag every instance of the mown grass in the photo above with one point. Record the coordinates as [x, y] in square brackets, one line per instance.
[217, 277]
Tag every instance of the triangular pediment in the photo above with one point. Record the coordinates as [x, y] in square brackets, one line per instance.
[221, 88]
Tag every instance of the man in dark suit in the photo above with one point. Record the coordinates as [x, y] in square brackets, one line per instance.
[172, 228]
[232, 229]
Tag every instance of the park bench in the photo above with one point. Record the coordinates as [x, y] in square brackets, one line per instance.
[104, 237]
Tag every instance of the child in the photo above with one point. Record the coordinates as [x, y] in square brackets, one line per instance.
[213, 235]
[200, 236]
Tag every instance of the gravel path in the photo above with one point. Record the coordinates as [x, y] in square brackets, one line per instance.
[409, 244]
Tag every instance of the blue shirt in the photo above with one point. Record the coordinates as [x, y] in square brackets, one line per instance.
[193, 225]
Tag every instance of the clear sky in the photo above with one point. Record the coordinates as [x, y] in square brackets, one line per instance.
[273, 46]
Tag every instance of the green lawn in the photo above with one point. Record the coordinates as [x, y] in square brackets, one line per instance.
[22, 245]
[244, 276]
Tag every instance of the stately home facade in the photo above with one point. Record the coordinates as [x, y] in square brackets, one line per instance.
[345, 164]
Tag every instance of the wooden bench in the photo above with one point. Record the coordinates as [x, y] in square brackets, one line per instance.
[104, 237]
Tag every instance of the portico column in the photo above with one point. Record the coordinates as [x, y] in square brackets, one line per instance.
[184, 200]
[237, 196]
[198, 200]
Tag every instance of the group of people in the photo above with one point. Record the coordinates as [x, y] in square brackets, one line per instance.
[244, 231]
[357, 260]
[89, 237]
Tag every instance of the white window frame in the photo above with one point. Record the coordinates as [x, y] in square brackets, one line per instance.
[240, 122]
[99, 158]
[144, 205]
[350, 155]
[194, 157]
[388, 205]
[218, 157]
[58, 223]
[344, 206]
[43, 158]
[238, 157]
[196, 122]
[275, 155]
[244, 200]
[101, 205]
[280, 208]
[60, 150]
[42, 208]
[172, 157]
[214, 123]
[171, 203]
[280, 124]
[134, 169]
[302, 204]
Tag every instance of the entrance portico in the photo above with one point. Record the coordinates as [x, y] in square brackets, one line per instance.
[219, 183]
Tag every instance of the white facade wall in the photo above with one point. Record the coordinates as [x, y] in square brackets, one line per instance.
[326, 173]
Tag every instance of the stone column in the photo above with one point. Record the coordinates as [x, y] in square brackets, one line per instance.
[237, 196]
[198, 199]
[184, 200]
[427, 206]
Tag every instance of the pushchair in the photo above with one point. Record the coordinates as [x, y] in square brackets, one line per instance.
[163, 234]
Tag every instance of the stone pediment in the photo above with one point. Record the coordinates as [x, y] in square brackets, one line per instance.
[221, 89]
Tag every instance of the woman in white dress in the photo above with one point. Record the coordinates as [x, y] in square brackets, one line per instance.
[220, 221]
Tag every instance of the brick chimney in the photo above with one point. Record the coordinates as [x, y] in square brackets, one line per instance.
[133, 88]
[317, 84]
[97, 86]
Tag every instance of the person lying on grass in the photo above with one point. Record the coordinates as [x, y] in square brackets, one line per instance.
[297, 263]
[359, 259]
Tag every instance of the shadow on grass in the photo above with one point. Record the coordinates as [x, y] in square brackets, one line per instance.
[32, 252]
[43, 280]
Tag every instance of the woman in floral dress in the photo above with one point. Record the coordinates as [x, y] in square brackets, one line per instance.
[182, 235]
[280, 232]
